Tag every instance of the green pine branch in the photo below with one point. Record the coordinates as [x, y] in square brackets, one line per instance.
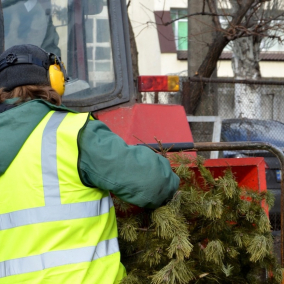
[212, 231]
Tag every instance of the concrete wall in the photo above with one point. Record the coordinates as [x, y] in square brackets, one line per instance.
[268, 69]
[170, 65]
[166, 5]
[199, 36]
[151, 61]
[144, 28]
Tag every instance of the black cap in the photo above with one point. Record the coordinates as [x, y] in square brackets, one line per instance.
[22, 65]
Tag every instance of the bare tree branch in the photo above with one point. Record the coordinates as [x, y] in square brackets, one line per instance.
[187, 16]
[128, 4]
[213, 10]
[241, 18]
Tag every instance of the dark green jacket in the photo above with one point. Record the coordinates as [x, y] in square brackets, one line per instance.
[133, 173]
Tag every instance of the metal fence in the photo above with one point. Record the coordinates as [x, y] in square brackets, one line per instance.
[258, 106]
[247, 111]
[261, 100]
[231, 110]
[258, 103]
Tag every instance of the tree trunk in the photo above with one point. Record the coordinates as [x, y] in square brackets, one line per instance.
[214, 51]
[206, 69]
[245, 64]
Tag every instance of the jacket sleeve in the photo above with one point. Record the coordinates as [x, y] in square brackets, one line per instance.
[133, 173]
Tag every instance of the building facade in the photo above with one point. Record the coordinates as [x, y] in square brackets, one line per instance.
[163, 45]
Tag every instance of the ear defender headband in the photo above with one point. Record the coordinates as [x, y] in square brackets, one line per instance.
[56, 71]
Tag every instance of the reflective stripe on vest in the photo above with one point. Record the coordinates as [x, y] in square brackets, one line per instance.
[57, 258]
[56, 213]
[49, 160]
[54, 210]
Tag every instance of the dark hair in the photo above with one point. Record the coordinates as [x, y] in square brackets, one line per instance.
[31, 92]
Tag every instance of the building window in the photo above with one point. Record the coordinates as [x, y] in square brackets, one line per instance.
[180, 28]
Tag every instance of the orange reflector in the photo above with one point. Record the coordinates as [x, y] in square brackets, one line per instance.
[158, 83]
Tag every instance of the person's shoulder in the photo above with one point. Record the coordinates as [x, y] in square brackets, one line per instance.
[96, 126]
[62, 107]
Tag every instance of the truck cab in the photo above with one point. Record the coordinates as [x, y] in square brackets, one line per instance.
[92, 39]
[90, 36]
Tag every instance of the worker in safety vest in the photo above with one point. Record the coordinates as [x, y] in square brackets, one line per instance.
[57, 167]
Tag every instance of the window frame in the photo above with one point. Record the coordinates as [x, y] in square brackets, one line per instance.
[124, 87]
[175, 12]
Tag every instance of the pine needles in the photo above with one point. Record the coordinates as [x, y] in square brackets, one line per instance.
[211, 231]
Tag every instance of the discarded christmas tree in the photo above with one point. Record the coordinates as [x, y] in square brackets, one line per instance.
[212, 231]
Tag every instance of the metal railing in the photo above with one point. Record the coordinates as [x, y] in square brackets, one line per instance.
[209, 146]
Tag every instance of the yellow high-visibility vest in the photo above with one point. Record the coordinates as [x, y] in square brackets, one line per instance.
[54, 229]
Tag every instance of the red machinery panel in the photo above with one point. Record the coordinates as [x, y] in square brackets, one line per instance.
[167, 123]
[249, 172]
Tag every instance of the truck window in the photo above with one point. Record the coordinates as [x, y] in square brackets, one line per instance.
[79, 31]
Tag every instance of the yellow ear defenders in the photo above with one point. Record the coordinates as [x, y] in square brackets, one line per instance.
[57, 74]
